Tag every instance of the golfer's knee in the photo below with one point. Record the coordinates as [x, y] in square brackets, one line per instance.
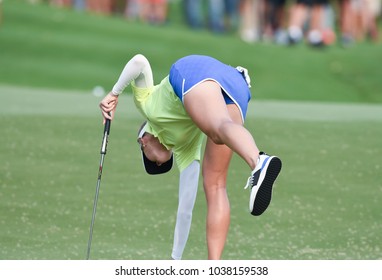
[217, 132]
[215, 138]
[214, 184]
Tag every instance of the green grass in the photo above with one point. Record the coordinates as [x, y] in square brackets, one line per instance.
[317, 117]
[326, 203]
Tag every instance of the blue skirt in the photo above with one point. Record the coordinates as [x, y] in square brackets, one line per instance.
[192, 70]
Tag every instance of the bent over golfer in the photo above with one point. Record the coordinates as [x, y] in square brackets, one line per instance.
[200, 96]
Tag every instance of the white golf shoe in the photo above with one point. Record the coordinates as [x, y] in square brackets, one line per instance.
[261, 183]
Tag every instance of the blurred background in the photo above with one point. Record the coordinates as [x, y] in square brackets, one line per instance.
[316, 101]
[283, 22]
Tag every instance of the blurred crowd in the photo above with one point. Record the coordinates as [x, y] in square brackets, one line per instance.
[287, 22]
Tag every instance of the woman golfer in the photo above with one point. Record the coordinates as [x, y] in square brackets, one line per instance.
[200, 96]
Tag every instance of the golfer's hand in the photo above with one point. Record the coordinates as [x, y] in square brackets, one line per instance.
[108, 106]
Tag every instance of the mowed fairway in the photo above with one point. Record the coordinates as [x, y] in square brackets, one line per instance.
[326, 204]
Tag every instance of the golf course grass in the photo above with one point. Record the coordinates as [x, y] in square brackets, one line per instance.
[319, 111]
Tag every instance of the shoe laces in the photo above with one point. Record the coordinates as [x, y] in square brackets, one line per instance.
[249, 182]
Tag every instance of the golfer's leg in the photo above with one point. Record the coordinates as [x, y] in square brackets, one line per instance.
[215, 166]
[188, 187]
[206, 106]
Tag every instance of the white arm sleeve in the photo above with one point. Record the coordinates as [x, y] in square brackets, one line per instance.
[138, 68]
[188, 187]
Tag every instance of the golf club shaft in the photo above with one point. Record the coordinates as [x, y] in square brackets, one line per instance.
[95, 205]
[103, 153]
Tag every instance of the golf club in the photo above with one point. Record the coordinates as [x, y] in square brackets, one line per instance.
[103, 153]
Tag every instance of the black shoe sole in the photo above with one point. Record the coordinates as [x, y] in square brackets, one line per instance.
[264, 194]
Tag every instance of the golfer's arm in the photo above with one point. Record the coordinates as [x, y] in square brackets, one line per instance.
[188, 187]
[138, 69]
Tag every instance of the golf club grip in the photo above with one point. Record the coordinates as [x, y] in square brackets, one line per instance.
[106, 133]
[107, 126]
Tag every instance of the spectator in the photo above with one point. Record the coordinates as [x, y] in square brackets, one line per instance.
[153, 11]
[193, 11]
[358, 20]
[298, 16]
[274, 13]
[309, 20]
[232, 14]
[250, 24]
[61, 3]
[216, 11]
[346, 23]
[374, 11]
[222, 15]
[131, 9]
[365, 13]
[360, 15]
[321, 31]
[79, 5]
[100, 6]
[313, 12]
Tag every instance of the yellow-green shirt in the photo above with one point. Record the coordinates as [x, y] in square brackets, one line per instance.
[168, 120]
